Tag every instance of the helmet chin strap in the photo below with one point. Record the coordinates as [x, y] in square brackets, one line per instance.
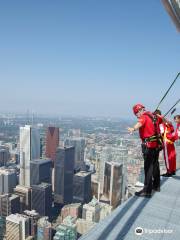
[142, 110]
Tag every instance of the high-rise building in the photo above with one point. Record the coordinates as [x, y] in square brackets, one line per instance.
[9, 204]
[79, 145]
[42, 199]
[25, 197]
[74, 132]
[17, 227]
[4, 205]
[117, 154]
[42, 132]
[82, 187]
[4, 156]
[29, 150]
[84, 226]
[15, 156]
[64, 171]
[113, 182]
[91, 211]
[66, 230]
[14, 202]
[40, 171]
[95, 186]
[33, 217]
[73, 210]
[2, 227]
[52, 142]
[8, 180]
[106, 210]
[44, 231]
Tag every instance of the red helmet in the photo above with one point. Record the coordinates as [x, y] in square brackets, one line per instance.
[137, 107]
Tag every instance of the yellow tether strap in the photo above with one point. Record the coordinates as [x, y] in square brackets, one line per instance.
[165, 137]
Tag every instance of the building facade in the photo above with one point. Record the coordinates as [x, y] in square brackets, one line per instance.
[25, 197]
[52, 142]
[113, 183]
[9, 204]
[44, 231]
[82, 187]
[16, 227]
[79, 145]
[42, 199]
[4, 156]
[8, 180]
[40, 171]
[29, 150]
[64, 171]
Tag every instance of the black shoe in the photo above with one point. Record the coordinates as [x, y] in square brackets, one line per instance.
[167, 175]
[173, 173]
[142, 194]
[156, 189]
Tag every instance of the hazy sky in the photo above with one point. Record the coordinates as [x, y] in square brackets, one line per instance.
[86, 57]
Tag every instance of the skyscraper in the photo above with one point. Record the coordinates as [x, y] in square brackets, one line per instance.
[116, 154]
[40, 171]
[42, 199]
[73, 210]
[16, 227]
[52, 142]
[82, 187]
[44, 231]
[2, 227]
[66, 230]
[8, 180]
[33, 219]
[64, 171]
[25, 197]
[29, 150]
[113, 183]
[79, 145]
[4, 156]
[9, 204]
[91, 211]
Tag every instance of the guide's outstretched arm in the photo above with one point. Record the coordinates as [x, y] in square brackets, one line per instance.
[136, 127]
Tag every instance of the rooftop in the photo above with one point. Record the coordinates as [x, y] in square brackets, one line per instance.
[158, 216]
[6, 171]
[16, 218]
[41, 161]
[42, 185]
[83, 174]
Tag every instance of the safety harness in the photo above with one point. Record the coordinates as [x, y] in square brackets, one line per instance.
[157, 136]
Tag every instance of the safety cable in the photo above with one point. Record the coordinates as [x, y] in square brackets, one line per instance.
[168, 90]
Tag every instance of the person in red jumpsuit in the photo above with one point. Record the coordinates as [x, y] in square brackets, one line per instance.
[150, 149]
[177, 132]
[169, 151]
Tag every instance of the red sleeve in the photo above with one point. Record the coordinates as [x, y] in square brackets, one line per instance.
[171, 136]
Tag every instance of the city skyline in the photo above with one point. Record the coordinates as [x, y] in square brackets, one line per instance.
[86, 58]
[112, 160]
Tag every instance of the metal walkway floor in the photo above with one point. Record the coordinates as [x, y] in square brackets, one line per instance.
[154, 218]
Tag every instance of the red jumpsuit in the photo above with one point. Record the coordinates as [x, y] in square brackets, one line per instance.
[177, 132]
[169, 150]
